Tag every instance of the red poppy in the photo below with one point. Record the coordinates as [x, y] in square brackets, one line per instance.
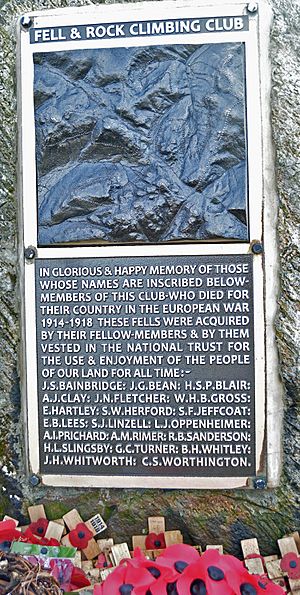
[161, 586]
[29, 537]
[78, 580]
[39, 528]
[179, 570]
[177, 557]
[155, 541]
[162, 575]
[8, 531]
[216, 574]
[80, 536]
[102, 562]
[252, 584]
[171, 563]
[52, 542]
[268, 586]
[126, 580]
[203, 579]
[290, 563]
[138, 554]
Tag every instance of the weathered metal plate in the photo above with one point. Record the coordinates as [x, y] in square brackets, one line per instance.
[142, 131]
[141, 146]
[146, 367]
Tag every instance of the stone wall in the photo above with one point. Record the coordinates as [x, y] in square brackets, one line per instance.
[203, 517]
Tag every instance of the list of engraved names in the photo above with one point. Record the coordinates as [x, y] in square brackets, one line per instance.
[146, 366]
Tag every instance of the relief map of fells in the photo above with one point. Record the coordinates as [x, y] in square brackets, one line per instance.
[141, 144]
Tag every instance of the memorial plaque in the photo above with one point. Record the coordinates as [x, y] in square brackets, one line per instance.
[142, 194]
[146, 367]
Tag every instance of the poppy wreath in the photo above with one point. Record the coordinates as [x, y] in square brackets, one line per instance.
[179, 570]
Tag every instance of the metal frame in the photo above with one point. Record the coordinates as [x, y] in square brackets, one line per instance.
[256, 117]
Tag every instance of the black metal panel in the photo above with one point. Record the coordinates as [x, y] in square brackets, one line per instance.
[141, 144]
[146, 366]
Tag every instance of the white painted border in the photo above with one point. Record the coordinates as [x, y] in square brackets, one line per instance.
[255, 119]
[274, 386]
[113, 481]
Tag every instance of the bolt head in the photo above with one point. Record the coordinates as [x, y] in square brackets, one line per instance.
[30, 253]
[260, 484]
[252, 7]
[257, 248]
[26, 22]
[34, 480]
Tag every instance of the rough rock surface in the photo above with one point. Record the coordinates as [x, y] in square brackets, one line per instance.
[204, 517]
[141, 144]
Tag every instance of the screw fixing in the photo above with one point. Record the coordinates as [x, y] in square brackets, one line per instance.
[252, 7]
[259, 483]
[26, 22]
[34, 480]
[257, 248]
[30, 253]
